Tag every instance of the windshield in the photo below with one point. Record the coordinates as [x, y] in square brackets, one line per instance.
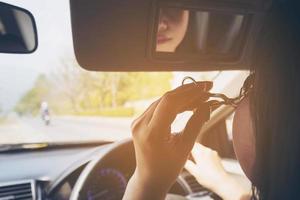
[47, 97]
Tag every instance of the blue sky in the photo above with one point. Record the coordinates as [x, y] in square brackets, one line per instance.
[18, 72]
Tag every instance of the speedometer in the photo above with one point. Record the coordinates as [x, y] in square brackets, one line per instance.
[108, 184]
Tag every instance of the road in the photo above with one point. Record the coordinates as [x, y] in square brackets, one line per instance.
[63, 129]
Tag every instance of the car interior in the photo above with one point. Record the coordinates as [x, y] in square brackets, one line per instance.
[124, 36]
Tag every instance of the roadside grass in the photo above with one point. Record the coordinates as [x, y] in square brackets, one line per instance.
[109, 112]
[3, 120]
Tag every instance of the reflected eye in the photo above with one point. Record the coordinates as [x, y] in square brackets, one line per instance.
[172, 14]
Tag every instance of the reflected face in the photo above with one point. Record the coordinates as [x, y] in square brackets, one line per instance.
[172, 27]
[243, 137]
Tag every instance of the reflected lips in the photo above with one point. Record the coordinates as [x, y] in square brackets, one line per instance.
[162, 39]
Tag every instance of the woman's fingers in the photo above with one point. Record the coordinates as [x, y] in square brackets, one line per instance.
[142, 121]
[199, 151]
[202, 85]
[147, 115]
[194, 125]
[194, 103]
[191, 167]
[175, 102]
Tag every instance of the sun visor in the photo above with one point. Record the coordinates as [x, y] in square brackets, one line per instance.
[165, 35]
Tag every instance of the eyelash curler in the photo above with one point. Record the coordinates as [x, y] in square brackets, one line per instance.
[223, 99]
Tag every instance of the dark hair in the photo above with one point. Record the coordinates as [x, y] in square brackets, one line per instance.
[187, 45]
[275, 104]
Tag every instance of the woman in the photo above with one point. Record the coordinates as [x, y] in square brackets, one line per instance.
[266, 125]
[172, 27]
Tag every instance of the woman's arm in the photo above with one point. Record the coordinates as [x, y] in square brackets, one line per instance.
[144, 190]
[160, 155]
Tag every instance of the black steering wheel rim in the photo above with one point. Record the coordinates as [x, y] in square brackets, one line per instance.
[99, 161]
[96, 163]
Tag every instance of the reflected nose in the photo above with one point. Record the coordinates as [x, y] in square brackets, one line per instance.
[163, 23]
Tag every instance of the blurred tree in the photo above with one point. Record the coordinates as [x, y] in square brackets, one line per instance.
[73, 90]
[31, 101]
[66, 88]
[143, 85]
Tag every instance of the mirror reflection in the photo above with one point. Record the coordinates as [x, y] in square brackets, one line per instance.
[198, 32]
[172, 27]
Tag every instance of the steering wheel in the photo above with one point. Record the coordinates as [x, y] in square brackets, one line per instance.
[96, 171]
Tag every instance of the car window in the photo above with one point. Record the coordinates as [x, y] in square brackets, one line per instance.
[47, 97]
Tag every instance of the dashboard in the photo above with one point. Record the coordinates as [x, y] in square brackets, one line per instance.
[97, 172]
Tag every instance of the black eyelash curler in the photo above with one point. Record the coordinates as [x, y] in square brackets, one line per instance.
[224, 100]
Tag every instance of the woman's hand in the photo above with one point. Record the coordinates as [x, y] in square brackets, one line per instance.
[160, 155]
[210, 173]
[207, 168]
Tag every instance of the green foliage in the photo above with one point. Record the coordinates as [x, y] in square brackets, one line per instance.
[143, 85]
[30, 102]
[72, 90]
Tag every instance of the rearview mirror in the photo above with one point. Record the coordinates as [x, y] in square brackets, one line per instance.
[17, 30]
[165, 35]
